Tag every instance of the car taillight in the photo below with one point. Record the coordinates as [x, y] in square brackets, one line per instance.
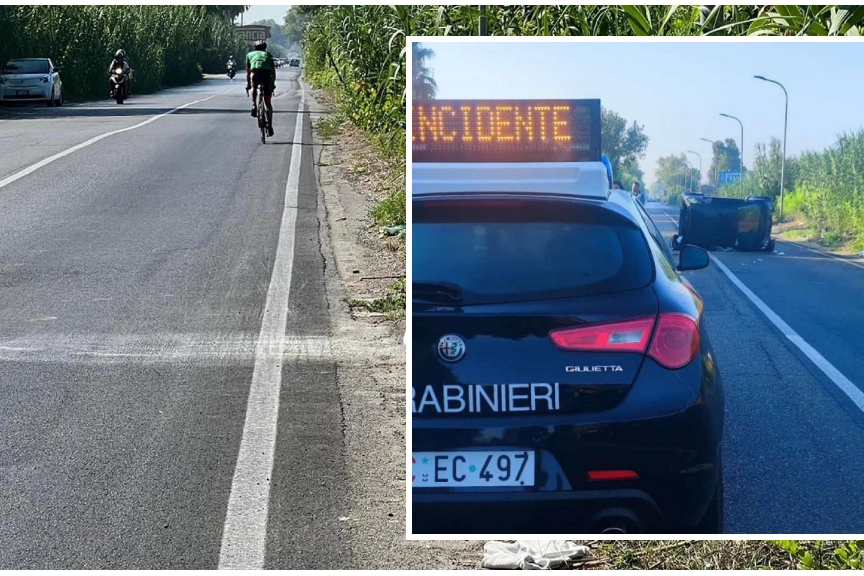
[612, 475]
[628, 336]
[676, 341]
[674, 345]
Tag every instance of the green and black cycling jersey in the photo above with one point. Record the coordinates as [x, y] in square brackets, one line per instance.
[259, 60]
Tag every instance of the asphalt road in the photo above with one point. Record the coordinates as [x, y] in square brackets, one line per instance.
[794, 441]
[134, 273]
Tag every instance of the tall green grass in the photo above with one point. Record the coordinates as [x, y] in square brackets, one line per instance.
[829, 189]
[824, 188]
[167, 45]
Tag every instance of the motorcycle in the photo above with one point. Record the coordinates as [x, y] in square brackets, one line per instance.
[119, 85]
[231, 72]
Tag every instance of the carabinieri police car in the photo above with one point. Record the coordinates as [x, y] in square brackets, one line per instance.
[562, 380]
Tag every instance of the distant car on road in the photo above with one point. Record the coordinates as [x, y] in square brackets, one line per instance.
[31, 79]
[295, 62]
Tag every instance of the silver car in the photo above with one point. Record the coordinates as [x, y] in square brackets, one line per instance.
[31, 79]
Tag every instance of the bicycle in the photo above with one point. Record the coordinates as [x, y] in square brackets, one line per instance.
[262, 112]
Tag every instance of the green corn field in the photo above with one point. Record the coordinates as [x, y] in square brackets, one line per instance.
[167, 45]
[359, 53]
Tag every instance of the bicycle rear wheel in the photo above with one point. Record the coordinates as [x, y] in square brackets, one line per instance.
[262, 118]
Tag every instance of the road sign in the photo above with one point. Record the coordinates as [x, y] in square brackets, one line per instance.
[729, 177]
[252, 33]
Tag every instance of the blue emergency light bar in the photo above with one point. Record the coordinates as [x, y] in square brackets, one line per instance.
[505, 131]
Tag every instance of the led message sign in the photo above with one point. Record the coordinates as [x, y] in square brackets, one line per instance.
[505, 131]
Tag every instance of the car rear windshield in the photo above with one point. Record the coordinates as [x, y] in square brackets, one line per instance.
[26, 67]
[505, 250]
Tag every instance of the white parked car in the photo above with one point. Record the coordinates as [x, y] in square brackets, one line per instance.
[31, 79]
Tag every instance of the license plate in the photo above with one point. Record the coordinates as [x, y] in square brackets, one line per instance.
[472, 469]
[21, 92]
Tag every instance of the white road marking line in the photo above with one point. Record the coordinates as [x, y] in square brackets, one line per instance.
[30, 169]
[244, 536]
[843, 383]
[166, 348]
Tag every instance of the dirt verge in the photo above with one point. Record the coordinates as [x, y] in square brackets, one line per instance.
[361, 265]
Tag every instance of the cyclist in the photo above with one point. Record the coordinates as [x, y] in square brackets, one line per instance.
[261, 69]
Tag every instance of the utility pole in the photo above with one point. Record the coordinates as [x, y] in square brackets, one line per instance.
[700, 164]
[714, 163]
[741, 154]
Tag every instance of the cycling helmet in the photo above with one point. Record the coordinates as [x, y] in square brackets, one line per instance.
[260, 45]
[120, 53]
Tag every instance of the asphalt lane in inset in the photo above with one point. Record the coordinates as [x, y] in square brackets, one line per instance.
[792, 444]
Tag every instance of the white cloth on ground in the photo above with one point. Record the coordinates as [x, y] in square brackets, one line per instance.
[530, 554]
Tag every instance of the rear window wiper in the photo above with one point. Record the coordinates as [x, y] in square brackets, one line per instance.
[446, 290]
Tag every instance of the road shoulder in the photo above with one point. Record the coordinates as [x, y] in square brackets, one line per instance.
[372, 386]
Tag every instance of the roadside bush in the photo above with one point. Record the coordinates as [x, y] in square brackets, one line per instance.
[825, 188]
[819, 555]
[167, 45]
[793, 202]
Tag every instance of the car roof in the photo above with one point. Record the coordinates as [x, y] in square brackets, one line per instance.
[578, 179]
[26, 59]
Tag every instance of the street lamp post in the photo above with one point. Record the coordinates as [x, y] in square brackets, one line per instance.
[714, 162]
[785, 121]
[741, 155]
[700, 164]
[482, 20]
[689, 173]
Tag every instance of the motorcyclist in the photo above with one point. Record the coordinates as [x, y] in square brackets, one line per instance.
[231, 64]
[261, 69]
[120, 61]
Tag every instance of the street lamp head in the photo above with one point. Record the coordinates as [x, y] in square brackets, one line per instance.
[760, 77]
[726, 115]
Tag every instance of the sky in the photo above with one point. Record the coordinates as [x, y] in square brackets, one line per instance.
[676, 90]
[263, 12]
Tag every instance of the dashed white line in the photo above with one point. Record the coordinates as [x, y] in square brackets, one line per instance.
[32, 168]
[244, 536]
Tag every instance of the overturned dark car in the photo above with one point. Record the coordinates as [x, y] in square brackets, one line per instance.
[715, 222]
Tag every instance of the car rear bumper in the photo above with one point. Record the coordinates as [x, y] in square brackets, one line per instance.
[674, 450]
[30, 93]
[578, 512]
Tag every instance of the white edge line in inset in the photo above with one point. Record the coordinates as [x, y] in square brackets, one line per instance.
[844, 384]
[841, 381]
